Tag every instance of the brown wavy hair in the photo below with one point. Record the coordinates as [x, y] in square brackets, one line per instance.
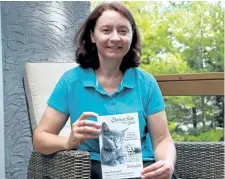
[86, 52]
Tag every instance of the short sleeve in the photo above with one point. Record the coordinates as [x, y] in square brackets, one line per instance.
[59, 97]
[155, 99]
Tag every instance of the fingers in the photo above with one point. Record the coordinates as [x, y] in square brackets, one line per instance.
[83, 122]
[152, 170]
[89, 123]
[83, 129]
[159, 173]
[163, 176]
[88, 130]
[87, 114]
[153, 167]
[158, 170]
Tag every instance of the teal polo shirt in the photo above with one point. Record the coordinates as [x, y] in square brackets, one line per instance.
[78, 91]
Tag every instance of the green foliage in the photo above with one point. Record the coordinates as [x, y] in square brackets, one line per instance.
[210, 136]
[194, 30]
[184, 37]
[167, 64]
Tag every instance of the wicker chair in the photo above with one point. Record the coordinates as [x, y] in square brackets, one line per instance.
[203, 160]
[194, 160]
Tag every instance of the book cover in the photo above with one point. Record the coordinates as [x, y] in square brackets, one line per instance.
[120, 146]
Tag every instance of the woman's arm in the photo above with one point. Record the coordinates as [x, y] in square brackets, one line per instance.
[46, 139]
[45, 136]
[164, 148]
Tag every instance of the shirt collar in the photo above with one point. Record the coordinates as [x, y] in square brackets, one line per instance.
[128, 79]
[90, 79]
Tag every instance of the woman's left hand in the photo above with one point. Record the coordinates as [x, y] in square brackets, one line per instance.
[161, 169]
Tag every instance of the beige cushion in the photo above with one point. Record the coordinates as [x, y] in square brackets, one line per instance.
[39, 82]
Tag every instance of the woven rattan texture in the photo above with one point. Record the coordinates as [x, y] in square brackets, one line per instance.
[65, 164]
[195, 160]
[200, 160]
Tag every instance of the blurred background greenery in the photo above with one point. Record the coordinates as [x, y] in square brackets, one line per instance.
[184, 37]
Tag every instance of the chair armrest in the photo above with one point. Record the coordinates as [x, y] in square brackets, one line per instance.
[200, 160]
[63, 164]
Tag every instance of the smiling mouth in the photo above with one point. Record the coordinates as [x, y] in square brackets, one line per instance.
[114, 47]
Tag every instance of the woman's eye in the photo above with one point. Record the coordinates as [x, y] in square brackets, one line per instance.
[123, 31]
[105, 30]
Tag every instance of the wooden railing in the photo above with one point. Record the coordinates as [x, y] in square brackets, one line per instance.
[201, 84]
[196, 159]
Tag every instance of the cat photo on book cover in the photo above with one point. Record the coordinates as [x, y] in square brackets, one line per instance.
[113, 151]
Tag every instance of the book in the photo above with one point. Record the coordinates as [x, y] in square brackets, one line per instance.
[120, 146]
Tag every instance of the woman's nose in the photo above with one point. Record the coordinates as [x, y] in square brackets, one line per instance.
[115, 36]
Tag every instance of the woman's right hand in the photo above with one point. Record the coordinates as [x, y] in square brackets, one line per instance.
[83, 129]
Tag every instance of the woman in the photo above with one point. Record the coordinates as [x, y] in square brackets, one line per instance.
[107, 82]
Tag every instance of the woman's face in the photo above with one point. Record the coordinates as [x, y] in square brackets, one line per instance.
[112, 36]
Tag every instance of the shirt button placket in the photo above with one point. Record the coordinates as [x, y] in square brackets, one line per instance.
[112, 109]
[112, 106]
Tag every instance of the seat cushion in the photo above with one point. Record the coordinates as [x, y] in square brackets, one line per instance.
[39, 82]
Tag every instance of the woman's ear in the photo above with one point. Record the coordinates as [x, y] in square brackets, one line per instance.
[92, 37]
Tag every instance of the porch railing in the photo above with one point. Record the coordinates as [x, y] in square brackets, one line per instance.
[201, 84]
